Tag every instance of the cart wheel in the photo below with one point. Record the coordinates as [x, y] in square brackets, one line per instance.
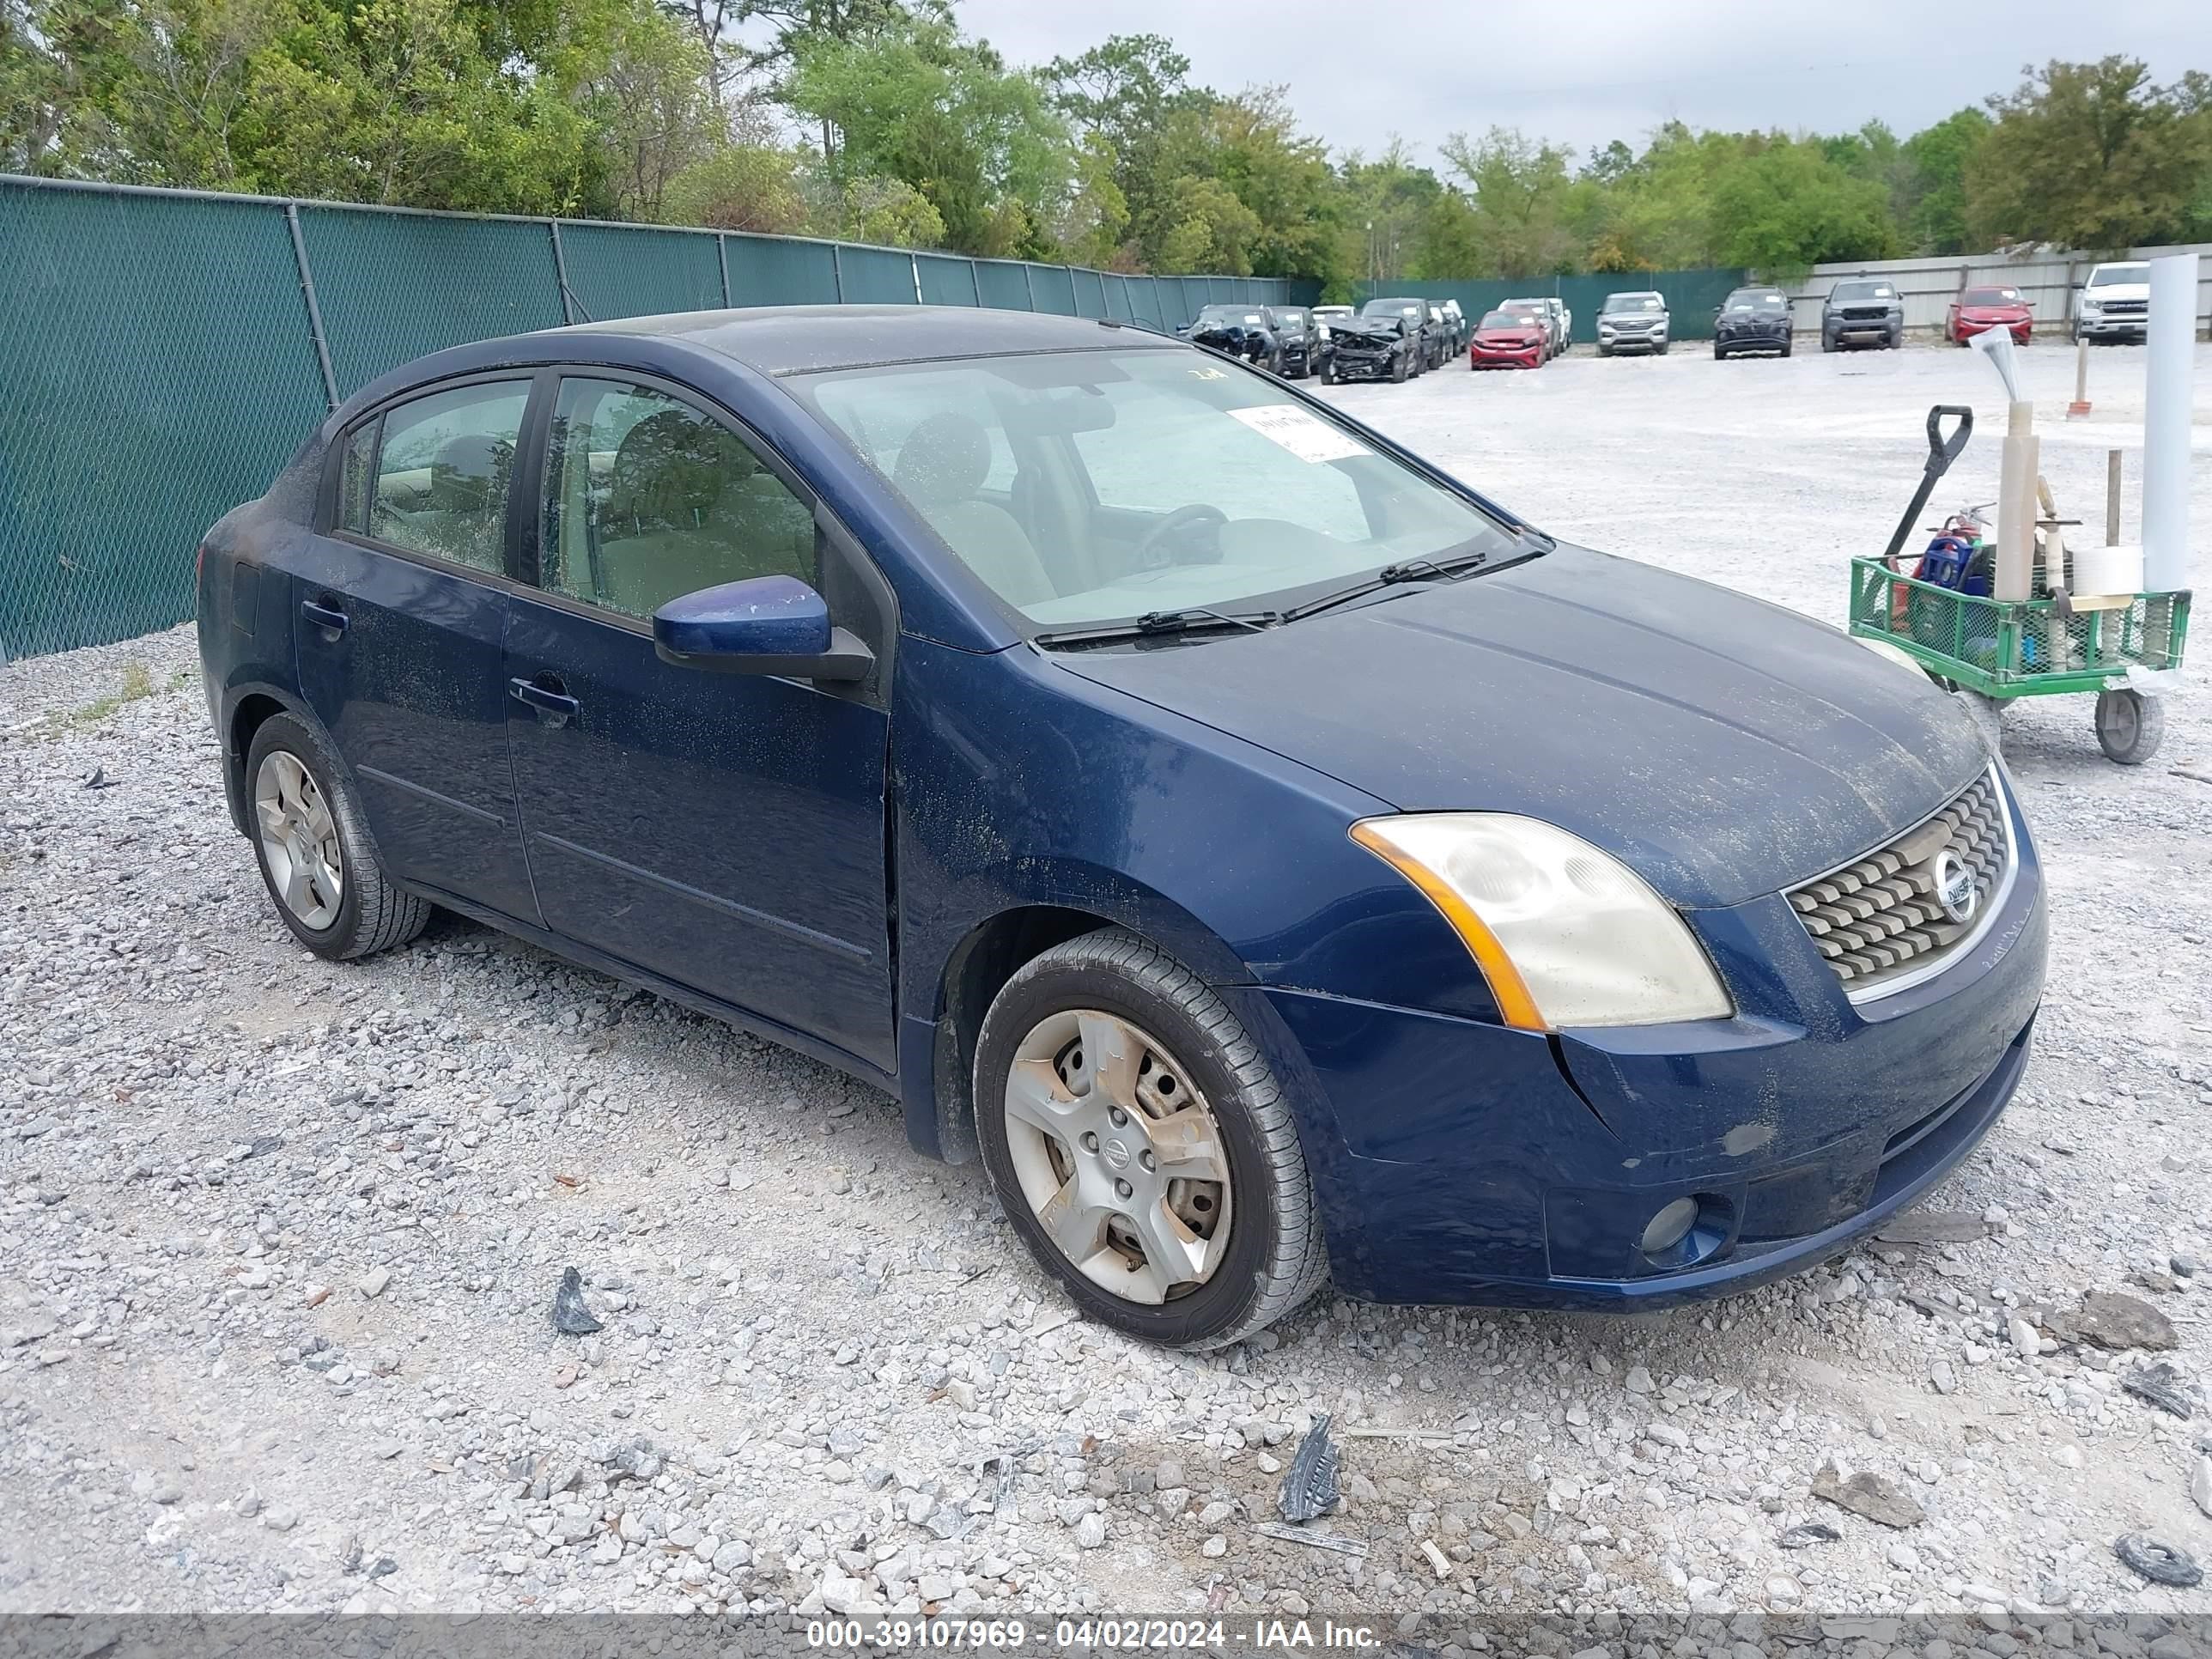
[1988, 715]
[2129, 727]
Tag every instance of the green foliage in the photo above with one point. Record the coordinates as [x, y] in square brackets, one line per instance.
[912, 98]
[2092, 156]
[912, 132]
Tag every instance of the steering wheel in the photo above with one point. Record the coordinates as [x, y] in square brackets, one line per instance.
[1175, 524]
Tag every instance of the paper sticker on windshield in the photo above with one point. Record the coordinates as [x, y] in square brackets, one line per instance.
[1306, 436]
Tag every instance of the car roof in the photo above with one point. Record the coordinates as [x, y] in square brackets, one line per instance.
[780, 340]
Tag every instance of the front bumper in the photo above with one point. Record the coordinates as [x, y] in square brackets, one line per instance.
[1642, 340]
[2115, 328]
[1360, 367]
[1479, 355]
[1967, 327]
[1466, 1162]
[1763, 341]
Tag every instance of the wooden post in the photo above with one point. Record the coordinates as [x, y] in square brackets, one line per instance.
[2079, 406]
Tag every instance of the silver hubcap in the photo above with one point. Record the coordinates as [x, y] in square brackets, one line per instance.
[1118, 1156]
[299, 839]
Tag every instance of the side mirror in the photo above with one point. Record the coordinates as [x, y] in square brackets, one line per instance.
[764, 625]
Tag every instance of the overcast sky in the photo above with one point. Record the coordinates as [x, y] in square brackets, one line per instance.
[1581, 74]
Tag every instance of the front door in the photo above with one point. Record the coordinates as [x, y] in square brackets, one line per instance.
[400, 610]
[723, 831]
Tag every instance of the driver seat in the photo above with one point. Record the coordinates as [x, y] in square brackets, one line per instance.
[940, 467]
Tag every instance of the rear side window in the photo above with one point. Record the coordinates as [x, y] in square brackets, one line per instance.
[648, 499]
[358, 470]
[442, 473]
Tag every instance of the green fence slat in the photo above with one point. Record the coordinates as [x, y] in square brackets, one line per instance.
[396, 285]
[948, 280]
[1003, 284]
[875, 275]
[1054, 288]
[627, 271]
[779, 271]
[155, 370]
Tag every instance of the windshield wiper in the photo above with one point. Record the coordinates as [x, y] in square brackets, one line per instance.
[1393, 575]
[1153, 625]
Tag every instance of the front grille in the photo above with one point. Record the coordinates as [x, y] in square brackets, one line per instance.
[1880, 918]
[1865, 314]
[2127, 307]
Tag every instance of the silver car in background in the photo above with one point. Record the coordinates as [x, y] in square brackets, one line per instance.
[1634, 321]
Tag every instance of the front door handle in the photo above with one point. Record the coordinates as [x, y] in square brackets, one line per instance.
[544, 694]
[332, 621]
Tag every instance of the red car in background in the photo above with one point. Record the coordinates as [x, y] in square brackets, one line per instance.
[1509, 339]
[1977, 310]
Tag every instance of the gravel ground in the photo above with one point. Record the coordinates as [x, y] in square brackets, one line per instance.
[278, 1239]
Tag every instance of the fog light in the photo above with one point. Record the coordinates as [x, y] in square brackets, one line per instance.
[1670, 1225]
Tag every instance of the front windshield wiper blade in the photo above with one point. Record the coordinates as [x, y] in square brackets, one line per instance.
[1160, 623]
[1393, 575]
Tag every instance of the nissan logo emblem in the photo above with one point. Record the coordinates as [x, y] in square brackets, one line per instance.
[1956, 890]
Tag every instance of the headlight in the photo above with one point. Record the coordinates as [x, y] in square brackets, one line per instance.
[1565, 934]
[2090, 307]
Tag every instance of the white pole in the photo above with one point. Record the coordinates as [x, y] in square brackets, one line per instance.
[2167, 416]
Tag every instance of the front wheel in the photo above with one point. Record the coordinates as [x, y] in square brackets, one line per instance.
[2129, 727]
[1663, 348]
[1142, 1148]
[1785, 348]
[1719, 356]
[1328, 371]
[1398, 370]
[315, 853]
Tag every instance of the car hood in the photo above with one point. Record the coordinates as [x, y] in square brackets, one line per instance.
[1722, 747]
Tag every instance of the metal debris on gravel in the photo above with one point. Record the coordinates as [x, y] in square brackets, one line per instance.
[572, 1314]
[2163, 1386]
[1309, 1490]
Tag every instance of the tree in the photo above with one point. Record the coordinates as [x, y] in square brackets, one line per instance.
[743, 186]
[2087, 155]
[915, 99]
[653, 105]
[1520, 191]
[1788, 205]
[1934, 211]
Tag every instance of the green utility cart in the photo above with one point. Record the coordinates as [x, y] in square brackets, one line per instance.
[1994, 650]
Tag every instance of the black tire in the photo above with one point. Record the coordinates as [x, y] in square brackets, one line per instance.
[1719, 356]
[1603, 349]
[1275, 1258]
[1663, 348]
[1398, 370]
[1328, 371]
[1828, 343]
[1896, 339]
[1785, 348]
[2130, 727]
[373, 913]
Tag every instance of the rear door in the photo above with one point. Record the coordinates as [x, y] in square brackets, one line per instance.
[399, 608]
[723, 831]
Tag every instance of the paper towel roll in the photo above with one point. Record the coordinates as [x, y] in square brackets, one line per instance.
[2101, 570]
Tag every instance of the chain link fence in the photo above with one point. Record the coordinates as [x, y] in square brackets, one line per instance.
[163, 352]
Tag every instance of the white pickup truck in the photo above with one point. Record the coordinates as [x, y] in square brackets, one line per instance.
[2114, 303]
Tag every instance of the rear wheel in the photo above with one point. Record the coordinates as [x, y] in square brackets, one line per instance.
[1141, 1147]
[2129, 727]
[315, 853]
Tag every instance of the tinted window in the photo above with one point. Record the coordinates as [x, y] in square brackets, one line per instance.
[648, 499]
[1616, 303]
[2115, 275]
[1845, 292]
[442, 472]
[1990, 296]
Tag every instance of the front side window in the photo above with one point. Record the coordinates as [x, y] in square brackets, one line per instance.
[442, 473]
[1144, 480]
[648, 499]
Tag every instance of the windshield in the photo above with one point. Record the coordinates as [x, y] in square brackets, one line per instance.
[1228, 316]
[1753, 301]
[2118, 275]
[1619, 302]
[1094, 486]
[1518, 319]
[1410, 309]
[1848, 291]
[1990, 296]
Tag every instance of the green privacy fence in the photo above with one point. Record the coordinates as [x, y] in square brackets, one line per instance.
[163, 352]
[1693, 296]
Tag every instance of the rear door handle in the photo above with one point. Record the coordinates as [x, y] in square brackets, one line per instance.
[555, 707]
[332, 621]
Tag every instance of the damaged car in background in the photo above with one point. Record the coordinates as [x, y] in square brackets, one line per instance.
[1241, 331]
[1385, 346]
[1306, 868]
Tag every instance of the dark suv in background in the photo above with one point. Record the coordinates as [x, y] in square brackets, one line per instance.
[1299, 344]
[1753, 320]
[1427, 323]
[1864, 311]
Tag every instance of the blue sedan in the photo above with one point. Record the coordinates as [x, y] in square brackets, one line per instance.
[1274, 858]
